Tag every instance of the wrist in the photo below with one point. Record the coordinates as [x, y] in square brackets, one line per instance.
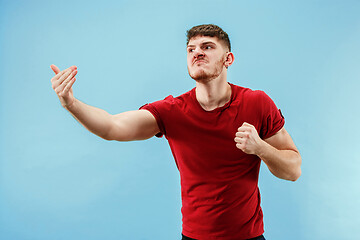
[262, 149]
[71, 106]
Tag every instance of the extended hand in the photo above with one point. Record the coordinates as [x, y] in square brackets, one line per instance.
[62, 84]
[247, 139]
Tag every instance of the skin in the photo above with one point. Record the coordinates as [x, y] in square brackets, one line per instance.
[208, 59]
[126, 126]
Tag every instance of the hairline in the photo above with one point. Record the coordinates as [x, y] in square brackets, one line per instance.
[222, 42]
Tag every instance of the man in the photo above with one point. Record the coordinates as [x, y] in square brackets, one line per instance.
[218, 133]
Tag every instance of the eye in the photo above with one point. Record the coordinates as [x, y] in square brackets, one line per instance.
[190, 50]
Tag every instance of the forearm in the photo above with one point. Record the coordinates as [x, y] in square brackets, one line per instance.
[284, 164]
[94, 119]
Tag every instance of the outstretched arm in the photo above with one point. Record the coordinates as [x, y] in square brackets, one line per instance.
[127, 126]
[278, 152]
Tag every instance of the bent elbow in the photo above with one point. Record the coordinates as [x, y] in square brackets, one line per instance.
[297, 173]
[296, 176]
[107, 138]
[297, 169]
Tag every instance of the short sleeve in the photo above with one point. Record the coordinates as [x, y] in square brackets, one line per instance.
[272, 118]
[158, 109]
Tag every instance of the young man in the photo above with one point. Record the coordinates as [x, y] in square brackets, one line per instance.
[218, 133]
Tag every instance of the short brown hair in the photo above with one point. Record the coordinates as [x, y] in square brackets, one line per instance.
[209, 30]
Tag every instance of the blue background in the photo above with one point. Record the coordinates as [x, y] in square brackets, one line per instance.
[58, 181]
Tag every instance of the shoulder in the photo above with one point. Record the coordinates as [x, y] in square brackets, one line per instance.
[261, 96]
[179, 101]
[249, 95]
[169, 102]
[185, 96]
[262, 100]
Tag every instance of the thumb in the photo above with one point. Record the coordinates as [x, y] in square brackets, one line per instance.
[245, 124]
[55, 68]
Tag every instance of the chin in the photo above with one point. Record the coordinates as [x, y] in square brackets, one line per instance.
[202, 76]
[199, 75]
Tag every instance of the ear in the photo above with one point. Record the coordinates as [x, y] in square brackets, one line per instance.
[229, 59]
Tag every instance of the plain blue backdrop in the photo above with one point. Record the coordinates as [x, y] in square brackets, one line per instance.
[58, 181]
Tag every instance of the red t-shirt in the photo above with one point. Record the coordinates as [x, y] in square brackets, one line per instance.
[219, 182]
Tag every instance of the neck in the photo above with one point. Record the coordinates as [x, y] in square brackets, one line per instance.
[213, 94]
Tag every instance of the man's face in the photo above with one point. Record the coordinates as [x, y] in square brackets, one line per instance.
[205, 58]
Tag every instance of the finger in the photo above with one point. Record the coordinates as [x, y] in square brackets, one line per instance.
[238, 140]
[55, 79]
[55, 68]
[60, 73]
[240, 146]
[242, 134]
[64, 76]
[69, 85]
[241, 140]
[71, 90]
[247, 124]
[63, 84]
[244, 129]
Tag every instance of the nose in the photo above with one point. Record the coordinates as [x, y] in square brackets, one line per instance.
[198, 52]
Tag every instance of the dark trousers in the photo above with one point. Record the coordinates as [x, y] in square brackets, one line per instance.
[256, 238]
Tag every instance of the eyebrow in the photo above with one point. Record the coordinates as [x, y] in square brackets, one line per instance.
[204, 43]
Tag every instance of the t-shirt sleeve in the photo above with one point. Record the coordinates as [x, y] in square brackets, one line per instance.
[272, 118]
[158, 109]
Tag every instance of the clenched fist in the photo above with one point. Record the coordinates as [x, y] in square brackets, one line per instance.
[62, 84]
[247, 139]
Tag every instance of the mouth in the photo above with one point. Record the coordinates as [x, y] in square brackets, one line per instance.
[199, 61]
